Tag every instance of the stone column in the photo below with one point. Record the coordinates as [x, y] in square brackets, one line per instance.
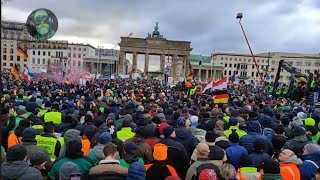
[199, 74]
[100, 68]
[187, 65]
[214, 75]
[174, 65]
[146, 63]
[121, 64]
[92, 67]
[207, 74]
[162, 62]
[134, 60]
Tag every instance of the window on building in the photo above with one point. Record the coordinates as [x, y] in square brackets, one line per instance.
[240, 59]
[11, 58]
[84, 49]
[39, 53]
[262, 66]
[4, 50]
[252, 66]
[74, 63]
[4, 43]
[262, 61]
[79, 49]
[49, 53]
[79, 55]
[18, 58]
[230, 59]
[235, 59]
[257, 74]
[230, 65]
[79, 63]
[43, 61]
[69, 54]
[235, 65]
[272, 76]
[258, 60]
[11, 50]
[4, 64]
[11, 64]
[225, 65]
[308, 63]
[221, 58]
[226, 58]
[298, 63]
[11, 43]
[252, 74]
[74, 48]
[48, 61]
[44, 53]
[229, 73]
[33, 52]
[38, 61]
[33, 60]
[74, 55]
[272, 69]
[84, 55]
[4, 57]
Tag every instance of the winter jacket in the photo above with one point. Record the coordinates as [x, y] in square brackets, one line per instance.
[234, 153]
[259, 158]
[222, 142]
[310, 165]
[289, 169]
[238, 131]
[136, 171]
[248, 140]
[297, 144]
[83, 163]
[271, 177]
[187, 139]
[108, 169]
[278, 141]
[198, 133]
[19, 170]
[33, 148]
[192, 171]
[96, 154]
[159, 170]
[144, 150]
[177, 156]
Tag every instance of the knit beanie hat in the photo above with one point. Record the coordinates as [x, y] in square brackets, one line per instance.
[21, 112]
[160, 152]
[167, 131]
[181, 122]
[208, 174]
[70, 134]
[104, 138]
[271, 167]
[210, 137]
[29, 135]
[37, 158]
[309, 122]
[67, 169]
[162, 126]
[233, 121]
[312, 148]
[299, 131]
[16, 153]
[130, 147]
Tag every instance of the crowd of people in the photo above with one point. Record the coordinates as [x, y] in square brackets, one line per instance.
[144, 129]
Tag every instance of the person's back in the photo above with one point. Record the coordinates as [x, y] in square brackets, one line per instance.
[235, 151]
[17, 167]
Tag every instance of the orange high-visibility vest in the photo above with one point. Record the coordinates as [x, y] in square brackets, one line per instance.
[13, 140]
[85, 146]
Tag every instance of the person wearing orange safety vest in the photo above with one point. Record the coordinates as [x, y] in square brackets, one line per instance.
[289, 163]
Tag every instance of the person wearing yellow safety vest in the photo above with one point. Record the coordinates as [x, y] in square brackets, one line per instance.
[54, 116]
[50, 141]
[234, 125]
[315, 86]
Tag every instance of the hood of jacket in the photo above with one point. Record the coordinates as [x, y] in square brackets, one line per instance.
[293, 159]
[313, 157]
[222, 138]
[14, 170]
[98, 151]
[197, 132]
[183, 133]
[254, 126]
[130, 158]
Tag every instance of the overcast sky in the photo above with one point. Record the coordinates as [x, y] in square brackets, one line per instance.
[210, 25]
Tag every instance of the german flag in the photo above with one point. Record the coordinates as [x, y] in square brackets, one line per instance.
[190, 76]
[220, 97]
[15, 72]
[22, 54]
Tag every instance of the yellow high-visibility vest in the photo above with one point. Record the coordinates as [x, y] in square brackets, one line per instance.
[55, 117]
[49, 143]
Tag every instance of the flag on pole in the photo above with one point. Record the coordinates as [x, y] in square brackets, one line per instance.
[220, 96]
[234, 79]
[208, 86]
[15, 72]
[26, 75]
[220, 85]
[22, 54]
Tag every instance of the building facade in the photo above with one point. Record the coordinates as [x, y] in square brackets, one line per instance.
[243, 66]
[12, 34]
[77, 53]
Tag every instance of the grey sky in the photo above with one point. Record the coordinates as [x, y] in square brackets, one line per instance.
[271, 25]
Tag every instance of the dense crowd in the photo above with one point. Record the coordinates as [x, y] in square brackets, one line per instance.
[144, 129]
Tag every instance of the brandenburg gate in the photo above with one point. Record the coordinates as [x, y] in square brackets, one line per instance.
[155, 44]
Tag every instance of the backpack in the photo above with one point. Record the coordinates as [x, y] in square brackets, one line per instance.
[204, 166]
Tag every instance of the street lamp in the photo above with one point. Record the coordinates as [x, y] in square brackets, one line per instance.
[240, 16]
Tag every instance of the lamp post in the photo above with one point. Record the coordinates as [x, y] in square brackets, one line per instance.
[240, 16]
